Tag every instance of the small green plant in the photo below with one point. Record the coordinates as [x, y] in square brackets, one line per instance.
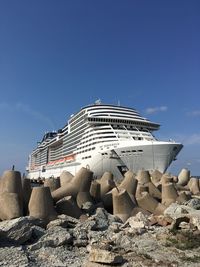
[147, 256]
[183, 240]
[193, 259]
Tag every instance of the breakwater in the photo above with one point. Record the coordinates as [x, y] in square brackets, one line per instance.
[80, 221]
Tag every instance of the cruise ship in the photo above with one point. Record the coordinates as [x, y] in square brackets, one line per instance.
[102, 138]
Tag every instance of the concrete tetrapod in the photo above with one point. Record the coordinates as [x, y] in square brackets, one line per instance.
[143, 177]
[166, 178]
[106, 183]
[122, 204]
[83, 197]
[10, 207]
[184, 177]
[26, 189]
[95, 191]
[194, 185]
[183, 197]
[11, 183]
[156, 177]
[41, 204]
[154, 191]
[52, 183]
[147, 202]
[129, 183]
[69, 207]
[108, 201]
[65, 178]
[80, 183]
[169, 194]
[141, 189]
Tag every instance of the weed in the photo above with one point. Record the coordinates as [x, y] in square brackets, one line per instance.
[183, 240]
[194, 259]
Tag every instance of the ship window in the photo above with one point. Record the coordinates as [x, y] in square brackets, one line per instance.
[140, 150]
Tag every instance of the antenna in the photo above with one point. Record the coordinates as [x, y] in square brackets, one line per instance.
[98, 102]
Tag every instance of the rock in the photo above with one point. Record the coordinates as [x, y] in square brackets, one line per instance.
[55, 236]
[103, 219]
[175, 211]
[160, 220]
[195, 221]
[80, 238]
[58, 222]
[175, 224]
[13, 257]
[62, 256]
[138, 221]
[71, 221]
[104, 256]
[16, 231]
[88, 207]
[37, 232]
[194, 203]
[94, 264]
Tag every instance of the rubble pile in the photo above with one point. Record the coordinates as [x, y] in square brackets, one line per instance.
[147, 219]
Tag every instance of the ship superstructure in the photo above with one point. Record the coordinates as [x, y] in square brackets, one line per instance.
[102, 138]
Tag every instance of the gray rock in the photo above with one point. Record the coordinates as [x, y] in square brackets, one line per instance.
[103, 219]
[16, 231]
[63, 222]
[55, 236]
[13, 256]
[80, 238]
[175, 211]
[59, 256]
[194, 203]
[138, 221]
[37, 232]
[71, 221]
[104, 256]
[88, 207]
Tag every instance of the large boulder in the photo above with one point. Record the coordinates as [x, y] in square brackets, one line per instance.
[54, 237]
[16, 231]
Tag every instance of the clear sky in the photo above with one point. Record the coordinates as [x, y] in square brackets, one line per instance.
[58, 56]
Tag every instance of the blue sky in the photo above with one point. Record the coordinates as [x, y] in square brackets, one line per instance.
[58, 56]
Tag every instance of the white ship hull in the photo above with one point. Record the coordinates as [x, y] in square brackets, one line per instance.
[144, 155]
